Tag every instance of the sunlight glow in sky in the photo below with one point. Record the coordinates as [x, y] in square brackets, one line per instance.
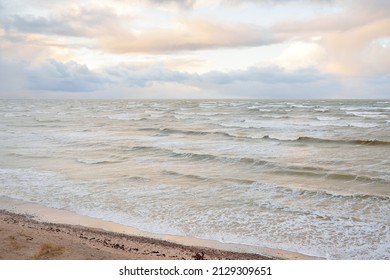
[195, 49]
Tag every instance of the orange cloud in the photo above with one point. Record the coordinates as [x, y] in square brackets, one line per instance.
[349, 38]
[357, 51]
[189, 34]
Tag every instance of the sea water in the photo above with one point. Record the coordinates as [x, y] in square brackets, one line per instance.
[306, 176]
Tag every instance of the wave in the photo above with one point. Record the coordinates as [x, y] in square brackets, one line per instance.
[328, 118]
[48, 120]
[273, 167]
[182, 117]
[155, 112]
[95, 161]
[322, 110]
[290, 192]
[134, 104]
[202, 178]
[181, 175]
[197, 114]
[186, 132]
[202, 157]
[32, 156]
[172, 153]
[383, 102]
[138, 179]
[305, 139]
[363, 125]
[266, 165]
[327, 174]
[364, 113]
[355, 108]
[301, 139]
[125, 117]
[335, 207]
[355, 142]
[267, 116]
[16, 115]
[208, 104]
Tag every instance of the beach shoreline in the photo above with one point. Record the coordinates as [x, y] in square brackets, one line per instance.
[24, 238]
[32, 231]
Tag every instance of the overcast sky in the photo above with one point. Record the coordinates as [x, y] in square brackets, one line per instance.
[195, 49]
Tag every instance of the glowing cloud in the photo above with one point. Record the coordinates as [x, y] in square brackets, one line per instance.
[233, 48]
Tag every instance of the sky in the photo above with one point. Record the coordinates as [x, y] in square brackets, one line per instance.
[311, 49]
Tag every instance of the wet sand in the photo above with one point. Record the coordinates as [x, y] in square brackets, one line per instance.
[22, 237]
[28, 230]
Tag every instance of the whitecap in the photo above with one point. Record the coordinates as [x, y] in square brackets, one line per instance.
[16, 115]
[323, 110]
[363, 125]
[208, 105]
[134, 104]
[93, 161]
[367, 114]
[124, 117]
[182, 117]
[328, 118]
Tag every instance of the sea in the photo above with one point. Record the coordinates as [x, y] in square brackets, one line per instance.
[307, 176]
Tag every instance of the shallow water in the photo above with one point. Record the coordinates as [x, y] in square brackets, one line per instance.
[305, 176]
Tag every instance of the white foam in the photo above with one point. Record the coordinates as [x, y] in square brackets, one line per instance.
[90, 161]
[363, 125]
[183, 117]
[258, 214]
[208, 105]
[16, 115]
[125, 117]
[328, 118]
[368, 114]
[323, 110]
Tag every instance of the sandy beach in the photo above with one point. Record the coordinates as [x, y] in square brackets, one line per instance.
[24, 238]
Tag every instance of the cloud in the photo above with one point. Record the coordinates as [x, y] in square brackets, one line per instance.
[359, 50]
[268, 75]
[48, 45]
[13, 82]
[276, 2]
[56, 79]
[103, 27]
[147, 76]
[68, 77]
[106, 28]
[180, 3]
[130, 76]
[255, 82]
[302, 55]
[191, 34]
[60, 34]
[37, 24]
[351, 41]
[346, 16]
[52, 75]
[71, 21]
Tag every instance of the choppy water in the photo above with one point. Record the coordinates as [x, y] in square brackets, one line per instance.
[305, 176]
